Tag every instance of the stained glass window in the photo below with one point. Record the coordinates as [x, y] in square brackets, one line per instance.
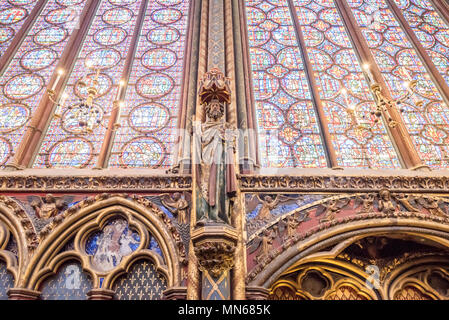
[347, 101]
[149, 119]
[425, 114]
[105, 48]
[13, 14]
[430, 29]
[24, 80]
[287, 121]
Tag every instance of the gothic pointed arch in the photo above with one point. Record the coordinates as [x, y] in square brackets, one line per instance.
[80, 227]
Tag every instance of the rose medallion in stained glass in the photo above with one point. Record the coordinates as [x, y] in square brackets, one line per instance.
[23, 86]
[110, 36]
[13, 116]
[166, 16]
[143, 152]
[61, 15]
[71, 152]
[159, 59]
[163, 36]
[102, 58]
[109, 246]
[12, 15]
[21, 2]
[154, 85]
[169, 2]
[149, 117]
[50, 36]
[76, 120]
[122, 2]
[69, 3]
[38, 59]
[117, 16]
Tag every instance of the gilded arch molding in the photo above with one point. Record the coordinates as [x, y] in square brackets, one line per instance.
[91, 214]
[14, 222]
[339, 236]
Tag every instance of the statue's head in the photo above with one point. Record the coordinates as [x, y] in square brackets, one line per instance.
[215, 110]
[49, 198]
[384, 194]
[176, 196]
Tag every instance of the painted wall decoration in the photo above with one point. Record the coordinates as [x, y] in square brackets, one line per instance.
[70, 283]
[142, 282]
[109, 246]
[6, 281]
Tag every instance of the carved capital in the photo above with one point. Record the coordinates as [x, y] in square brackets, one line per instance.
[257, 293]
[175, 293]
[100, 294]
[214, 248]
[23, 294]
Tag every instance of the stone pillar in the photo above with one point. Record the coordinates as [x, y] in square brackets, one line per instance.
[215, 247]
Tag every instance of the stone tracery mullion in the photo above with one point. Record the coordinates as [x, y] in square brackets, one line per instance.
[105, 47]
[273, 101]
[20, 17]
[149, 120]
[358, 140]
[397, 61]
[25, 78]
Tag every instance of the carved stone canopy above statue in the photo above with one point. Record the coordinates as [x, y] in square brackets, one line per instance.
[214, 86]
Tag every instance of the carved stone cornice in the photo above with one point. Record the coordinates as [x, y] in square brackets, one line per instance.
[94, 183]
[341, 183]
[214, 248]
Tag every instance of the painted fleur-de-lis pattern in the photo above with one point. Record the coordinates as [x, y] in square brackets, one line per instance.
[69, 283]
[6, 281]
[142, 282]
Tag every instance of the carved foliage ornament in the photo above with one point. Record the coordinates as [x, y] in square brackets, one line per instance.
[215, 257]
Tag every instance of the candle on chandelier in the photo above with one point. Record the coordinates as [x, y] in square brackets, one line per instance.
[121, 85]
[344, 92]
[368, 74]
[120, 105]
[64, 98]
[407, 74]
[58, 78]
